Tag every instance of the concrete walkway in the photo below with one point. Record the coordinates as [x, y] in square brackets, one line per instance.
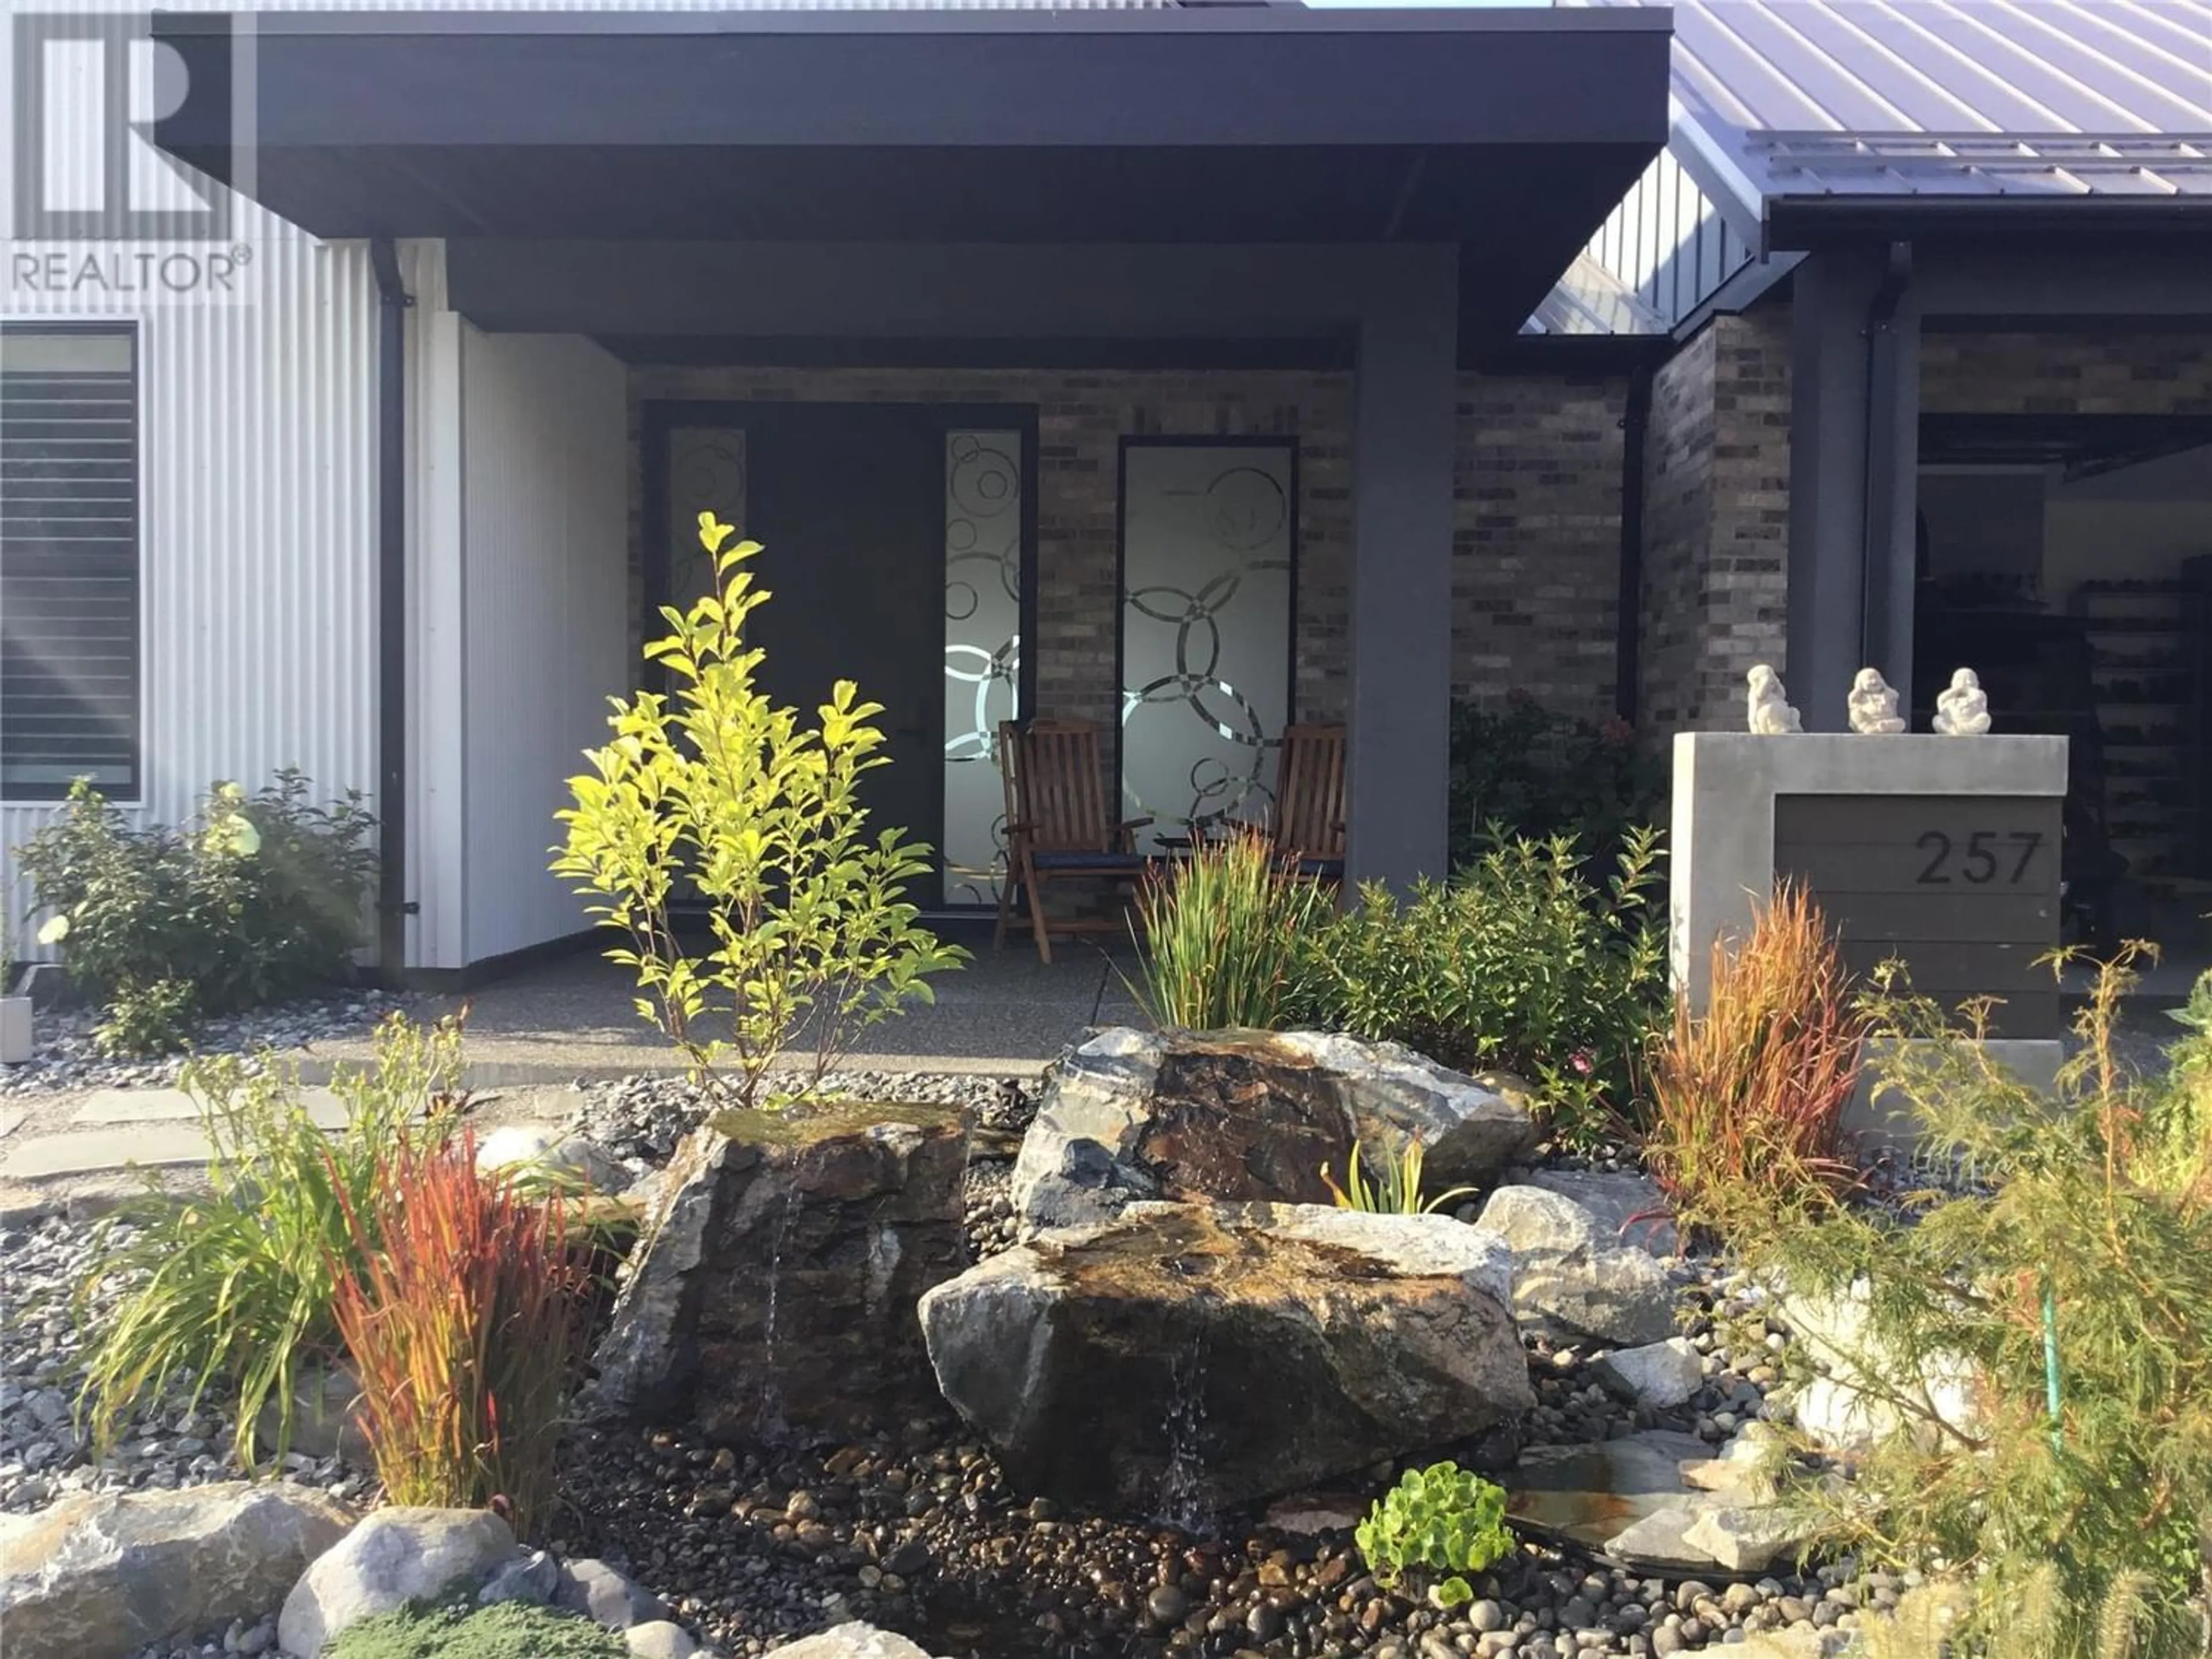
[574, 1019]
[533, 1037]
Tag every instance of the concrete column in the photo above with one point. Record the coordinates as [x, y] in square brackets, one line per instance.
[1854, 448]
[1893, 492]
[1404, 416]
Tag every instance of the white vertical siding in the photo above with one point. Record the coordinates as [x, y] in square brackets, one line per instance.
[259, 512]
[1668, 242]
[437, 785]
[546, 585]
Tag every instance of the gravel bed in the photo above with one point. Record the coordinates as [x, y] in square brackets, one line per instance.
[65, 1060]
[643, 1116]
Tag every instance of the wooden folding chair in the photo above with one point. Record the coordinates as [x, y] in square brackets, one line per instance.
[1309, 802]
[1057, 825]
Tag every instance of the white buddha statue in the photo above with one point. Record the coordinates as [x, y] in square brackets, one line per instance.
[1962, 711]
[1874, 704]
[1771, 714]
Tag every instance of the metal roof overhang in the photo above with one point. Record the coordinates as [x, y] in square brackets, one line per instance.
[1510, 133]
[1808, 223]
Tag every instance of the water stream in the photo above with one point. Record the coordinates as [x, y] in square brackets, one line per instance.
[773, 1423]
[1183, 1501]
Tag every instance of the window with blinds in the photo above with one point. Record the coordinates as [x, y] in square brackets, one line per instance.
[68, 558]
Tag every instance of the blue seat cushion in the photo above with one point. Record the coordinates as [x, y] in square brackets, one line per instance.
[1331, 869]
[1110, 862]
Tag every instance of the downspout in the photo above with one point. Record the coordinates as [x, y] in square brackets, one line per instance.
[1885, 613]
[1628, 642]
[393, 908]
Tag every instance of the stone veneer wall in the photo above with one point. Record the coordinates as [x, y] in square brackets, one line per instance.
[1536, 537]
[2132, 373]
[1715, 523]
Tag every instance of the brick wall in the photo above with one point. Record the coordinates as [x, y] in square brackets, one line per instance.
[1536, 535]
[2113, 373]
[1536, 539]
[1717, 523]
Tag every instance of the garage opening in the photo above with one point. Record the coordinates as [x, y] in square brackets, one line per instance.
[2068, 560]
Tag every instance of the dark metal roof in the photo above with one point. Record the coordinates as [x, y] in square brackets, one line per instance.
[2049, 100]
[1508, 132]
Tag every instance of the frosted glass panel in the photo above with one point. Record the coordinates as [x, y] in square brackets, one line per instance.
[706, 474]
[982, 653]
[1205, 630]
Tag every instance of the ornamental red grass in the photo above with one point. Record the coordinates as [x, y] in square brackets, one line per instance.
[1748, 1099]
[464, 1327]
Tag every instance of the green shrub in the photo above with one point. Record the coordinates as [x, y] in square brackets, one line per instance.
[715, 792]
[232, 1291]
[1542, 774]
[462, 1310]
[1748, 1099]
[149, 1017]
[1229, 939]
[2079, 1266]
[1441, 1520]
[1520, 962]
[505, 1630]
[257, 898]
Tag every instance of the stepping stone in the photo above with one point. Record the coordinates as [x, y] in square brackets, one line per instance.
[175, 1105]
[11, 1120]
[90, 1152]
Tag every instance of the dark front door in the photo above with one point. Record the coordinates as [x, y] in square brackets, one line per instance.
[897, 548]
[848, 504]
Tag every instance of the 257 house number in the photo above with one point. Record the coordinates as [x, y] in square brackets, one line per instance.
[1985, 855]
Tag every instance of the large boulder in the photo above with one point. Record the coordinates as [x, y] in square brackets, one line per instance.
[1240, 1116]
[1571, 1277]
[774, 1287]
[102, 1576]
[1850, 1403]
[1629, 1208]
[394, 1557]
[852, 1640]
[1182, 1356]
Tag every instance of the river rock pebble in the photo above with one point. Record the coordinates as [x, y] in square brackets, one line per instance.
[65, 1059]
[927, 1537]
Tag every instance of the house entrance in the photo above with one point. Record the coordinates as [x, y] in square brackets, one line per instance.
[897, 549]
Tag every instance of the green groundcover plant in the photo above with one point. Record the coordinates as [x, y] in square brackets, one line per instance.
[1441, 1522]
[233, 1292]
[256, 898]
[712, 793]
[2072, 1277]
[505, 1630]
